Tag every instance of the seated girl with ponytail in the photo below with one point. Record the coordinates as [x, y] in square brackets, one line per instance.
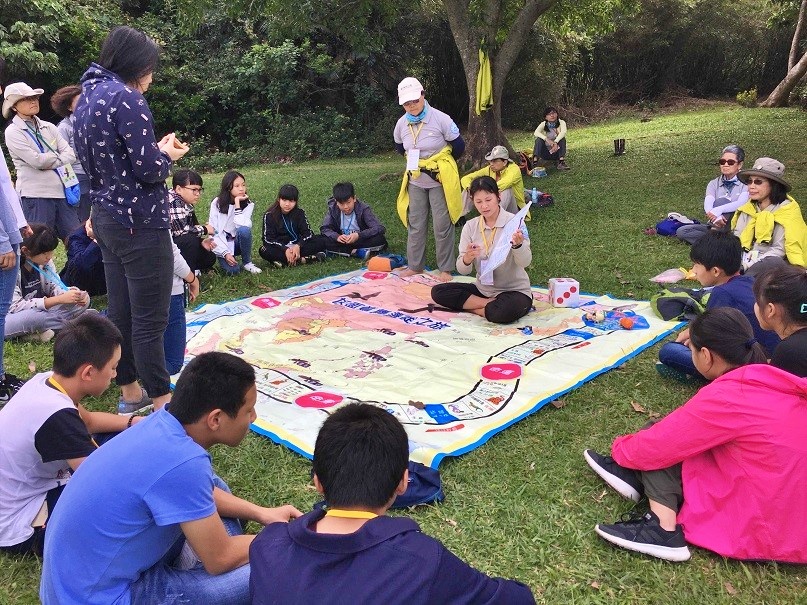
[727, 471]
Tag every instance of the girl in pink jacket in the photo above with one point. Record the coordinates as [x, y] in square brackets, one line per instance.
[727, 471]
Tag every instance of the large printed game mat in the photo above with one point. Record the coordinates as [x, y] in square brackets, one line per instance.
[453, 379]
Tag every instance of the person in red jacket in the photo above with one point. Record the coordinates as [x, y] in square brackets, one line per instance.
[727, 471]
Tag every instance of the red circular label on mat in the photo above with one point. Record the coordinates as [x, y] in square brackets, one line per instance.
[560, 300]
[501, 371]
[375, 275]
[318, 399]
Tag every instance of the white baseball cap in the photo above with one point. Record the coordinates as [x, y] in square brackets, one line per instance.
[409, 89]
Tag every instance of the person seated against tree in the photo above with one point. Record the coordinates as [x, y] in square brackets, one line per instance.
[350, 226]
[352, 552]
[724, 195]
[504, 294]
[770, 225]
[507, 175]
[550, 140]
[194, 240]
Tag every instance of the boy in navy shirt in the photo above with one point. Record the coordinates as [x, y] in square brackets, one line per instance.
[350, 226]
[353, 553]
[717, 258]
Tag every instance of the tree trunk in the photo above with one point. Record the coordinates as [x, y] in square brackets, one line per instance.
[794, 45]
[781, 94]
[485, 131]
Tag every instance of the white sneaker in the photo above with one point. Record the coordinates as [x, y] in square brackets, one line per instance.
[252, 268]
[45, 336]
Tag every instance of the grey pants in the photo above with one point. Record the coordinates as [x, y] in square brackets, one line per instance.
[420, 202]
[29, 321]
[664, 486]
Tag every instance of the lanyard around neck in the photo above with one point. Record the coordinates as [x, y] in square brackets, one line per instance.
[484, 238]
[350, 514]
[289, 228]
[415, 135]
[52, 382]
[48, 275]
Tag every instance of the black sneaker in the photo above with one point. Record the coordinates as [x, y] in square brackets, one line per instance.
[645, 535]
[9, 387]
[562, 165]
[623, 480]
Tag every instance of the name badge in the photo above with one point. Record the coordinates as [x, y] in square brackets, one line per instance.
[412, 159]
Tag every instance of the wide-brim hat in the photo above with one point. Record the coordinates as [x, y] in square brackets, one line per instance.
[409, 89]
[768, 168]
[498, 153]
[16, 91]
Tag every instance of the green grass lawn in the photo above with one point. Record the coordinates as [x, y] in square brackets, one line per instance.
[525, 504]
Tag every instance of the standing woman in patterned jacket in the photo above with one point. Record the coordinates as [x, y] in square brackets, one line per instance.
[127, 166]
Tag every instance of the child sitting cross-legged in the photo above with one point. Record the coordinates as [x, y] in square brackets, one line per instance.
[287, 236]
[353, 553]
[45, 432]
[717, 257]
[350, 225]
[42, 303]
[727, 471]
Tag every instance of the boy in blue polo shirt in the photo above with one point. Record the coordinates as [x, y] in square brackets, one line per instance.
[717, 258]
[353, 553]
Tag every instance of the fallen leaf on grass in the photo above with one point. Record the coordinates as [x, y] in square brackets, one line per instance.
[32, 366]
[532, 466]
[595, 585]
[630, 294]
[637, 407]
[559, 403]
[601, 496]
[730, 588]
[451, 522]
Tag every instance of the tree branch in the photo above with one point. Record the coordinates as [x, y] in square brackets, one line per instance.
[793, 57]
[517, 34]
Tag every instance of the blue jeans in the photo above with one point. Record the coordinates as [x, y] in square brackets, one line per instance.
[164, 584]
[243, 248]
[8, 279]
[174, 337]
[139, 268]
[678, 357]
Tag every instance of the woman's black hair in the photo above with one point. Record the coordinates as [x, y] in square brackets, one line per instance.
[726, 332]
[42, 239]
[62, 99]
[785, 286]
[225, 197]
[483, 183]
[778, 192]
[129, 53]
[287, 192]
[184, 177]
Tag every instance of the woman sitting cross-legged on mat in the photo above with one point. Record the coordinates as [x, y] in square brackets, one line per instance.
[727, 471]
[503, 295]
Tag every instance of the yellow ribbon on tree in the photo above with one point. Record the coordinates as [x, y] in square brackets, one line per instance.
[484, 84]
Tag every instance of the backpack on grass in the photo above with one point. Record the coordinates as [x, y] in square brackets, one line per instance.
[679, 303]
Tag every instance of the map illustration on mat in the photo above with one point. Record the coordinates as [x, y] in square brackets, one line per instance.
[453, 379]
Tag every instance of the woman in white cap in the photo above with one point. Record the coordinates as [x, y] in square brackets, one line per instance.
[432, 143]
[507, 175]
[37, 150]
[770, 225]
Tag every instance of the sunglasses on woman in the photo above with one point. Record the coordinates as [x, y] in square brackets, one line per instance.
[756, 182]
[723, 162]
